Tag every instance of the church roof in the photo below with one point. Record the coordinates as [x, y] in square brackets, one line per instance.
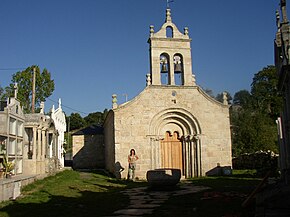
[93, 129]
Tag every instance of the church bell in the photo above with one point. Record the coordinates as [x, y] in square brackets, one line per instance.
[164, 68]
[177, 68]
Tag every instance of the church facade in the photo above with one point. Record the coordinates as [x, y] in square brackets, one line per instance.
[172, 123]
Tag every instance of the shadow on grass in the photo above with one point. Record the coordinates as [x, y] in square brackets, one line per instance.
[243, 185]
[88, 204]
[224, 198]
[92, 194]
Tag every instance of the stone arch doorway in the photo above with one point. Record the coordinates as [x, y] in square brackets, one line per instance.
[171, 151]
[175, 142]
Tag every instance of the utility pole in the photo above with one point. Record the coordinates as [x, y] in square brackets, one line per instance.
[33, 91]
[69, 146]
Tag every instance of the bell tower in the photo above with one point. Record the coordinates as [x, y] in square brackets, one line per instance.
[170, 55]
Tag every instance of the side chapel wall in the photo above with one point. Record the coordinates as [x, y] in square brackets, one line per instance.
[109, 141]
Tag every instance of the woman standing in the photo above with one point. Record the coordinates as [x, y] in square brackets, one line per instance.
[132, 158]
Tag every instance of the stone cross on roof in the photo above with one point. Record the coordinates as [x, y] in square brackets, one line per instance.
[168, 2]
[15, 90]
[59, 103]
[283, 9]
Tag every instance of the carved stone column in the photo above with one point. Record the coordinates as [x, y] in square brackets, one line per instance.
[155, 151]
[39, 144]
[171, 71]
[198, 154]
[34, 143]
[43, 146]
[187, 157]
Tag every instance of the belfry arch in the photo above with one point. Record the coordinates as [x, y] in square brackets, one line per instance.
[165, 69]
[170, 128]
[178, 69]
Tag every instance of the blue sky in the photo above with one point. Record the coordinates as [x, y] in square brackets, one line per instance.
[96, 48]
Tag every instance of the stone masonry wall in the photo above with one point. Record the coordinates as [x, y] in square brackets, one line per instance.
[133, 121]
[88, 151]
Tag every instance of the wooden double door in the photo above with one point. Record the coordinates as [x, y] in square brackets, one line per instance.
[171, 151]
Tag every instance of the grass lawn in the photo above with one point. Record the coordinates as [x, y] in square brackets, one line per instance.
[71, 193]
[224, 199]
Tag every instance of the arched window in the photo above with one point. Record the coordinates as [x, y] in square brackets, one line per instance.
[178, 69]
[164, 68]
[169, 32]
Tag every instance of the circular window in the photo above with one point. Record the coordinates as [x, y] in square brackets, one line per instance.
[174, 93]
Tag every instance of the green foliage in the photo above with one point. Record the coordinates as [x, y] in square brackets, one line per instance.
[7, 165]
[243, 98]
[209, 92]
[75, 121]
[68, 193]
[68, 142]
[1, 93]
[71, 193]
[6, 92]
[224, 197]
[250, 173]
[267, 98]
[261, 161]
[253, 114]
[44, 86]
[93, 118]
[220, 97]
[253, 132]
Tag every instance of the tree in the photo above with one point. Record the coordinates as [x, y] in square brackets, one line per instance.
[44, 86]
[75, 121]
[253, 114]
[1, 93]
[209, 92]
[243, 98]
[265, 92]
[94, 118]
[220, 97]
[105, 112]
[5, 93]
[252, 131]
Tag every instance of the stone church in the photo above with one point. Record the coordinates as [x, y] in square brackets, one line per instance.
[172, 123]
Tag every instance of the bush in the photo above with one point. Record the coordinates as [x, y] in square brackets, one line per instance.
[262, 161]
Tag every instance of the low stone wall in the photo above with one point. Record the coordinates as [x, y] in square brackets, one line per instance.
[261, 161]
[10, 188]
